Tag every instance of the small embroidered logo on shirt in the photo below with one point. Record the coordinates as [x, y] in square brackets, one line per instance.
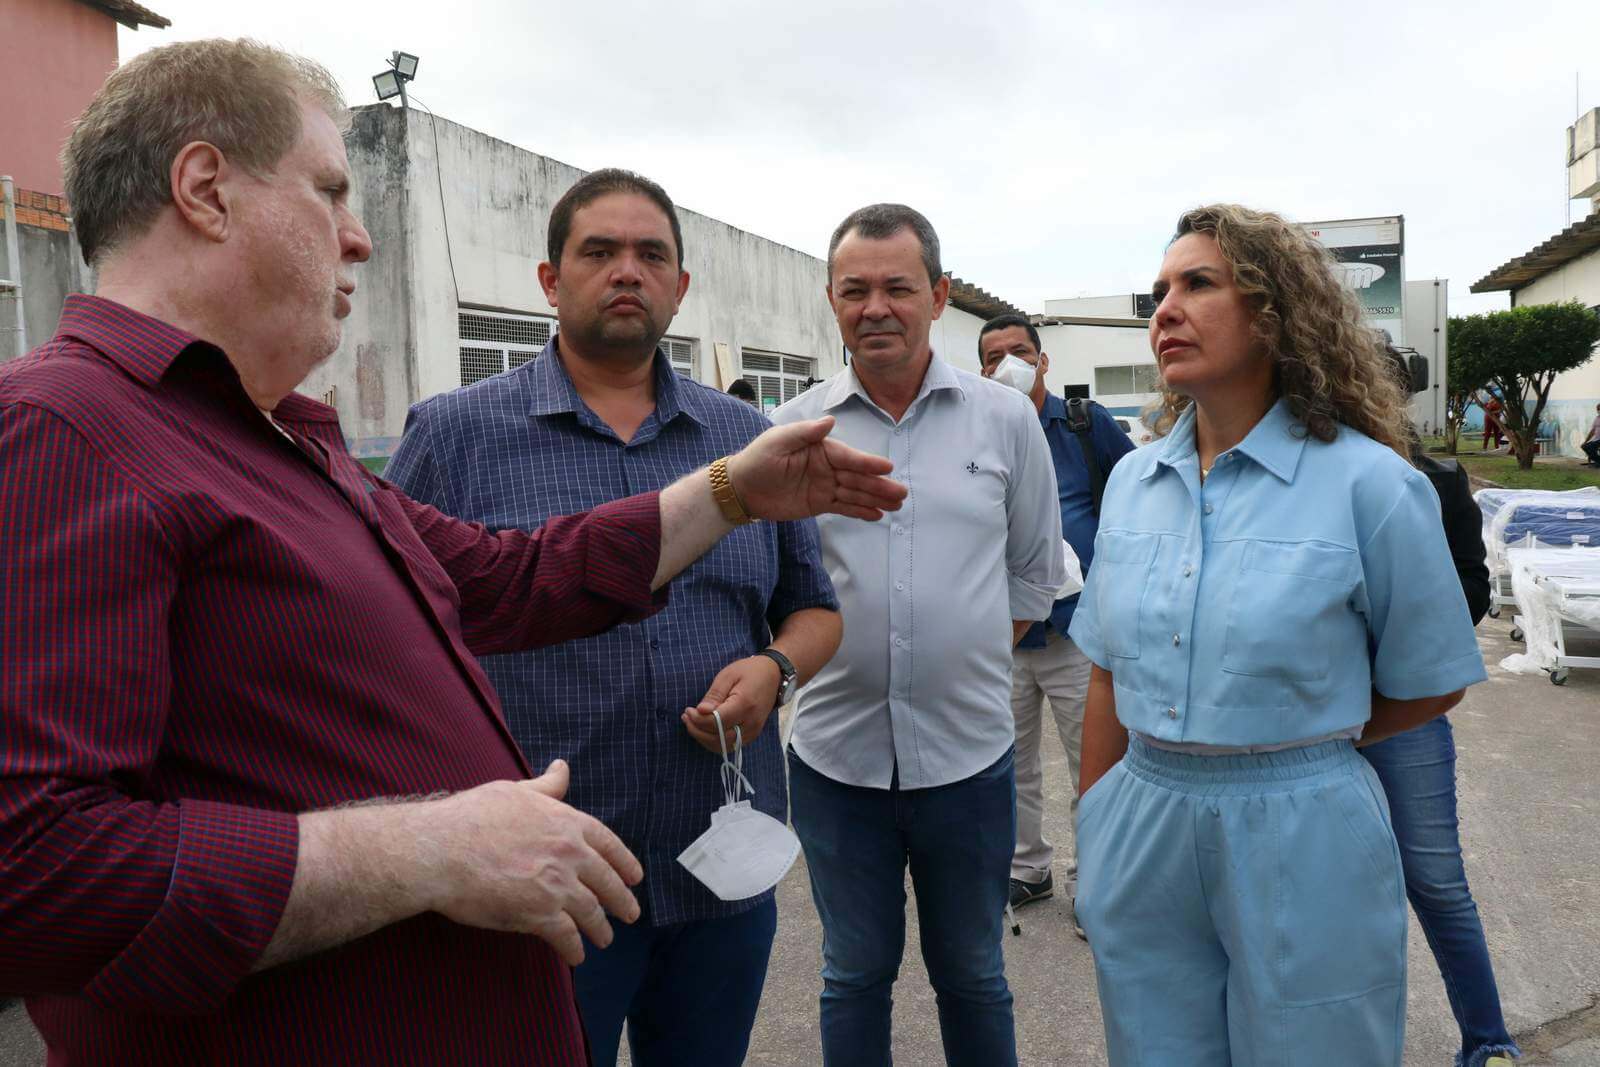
[972, 468]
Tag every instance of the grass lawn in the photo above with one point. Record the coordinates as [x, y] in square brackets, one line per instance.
[1555, 473]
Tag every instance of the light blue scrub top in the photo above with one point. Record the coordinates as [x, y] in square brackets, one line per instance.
[1263, 607]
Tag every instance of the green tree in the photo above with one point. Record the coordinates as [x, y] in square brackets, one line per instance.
[1466, 364]
[1518, 354]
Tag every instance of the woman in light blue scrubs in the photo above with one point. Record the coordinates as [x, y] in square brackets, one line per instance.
[1271, 586]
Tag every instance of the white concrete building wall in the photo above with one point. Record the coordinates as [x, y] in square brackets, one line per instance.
[371, 378]
[954, 336]
[1427, 327]
[1119, 306]
[1077, 348]
[1574, 395]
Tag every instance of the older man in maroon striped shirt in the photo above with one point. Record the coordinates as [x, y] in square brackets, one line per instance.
[221, 639]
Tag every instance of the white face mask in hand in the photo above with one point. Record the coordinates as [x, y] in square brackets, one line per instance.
[1017, 373]
[745, 852]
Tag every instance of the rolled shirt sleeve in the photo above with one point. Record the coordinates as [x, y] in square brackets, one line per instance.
[1422, 638]
[803, 581]
[1035, 569]
[140, 905]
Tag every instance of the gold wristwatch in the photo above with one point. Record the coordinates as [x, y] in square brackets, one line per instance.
[726, 496]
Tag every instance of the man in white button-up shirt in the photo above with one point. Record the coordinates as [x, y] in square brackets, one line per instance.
[901, 745]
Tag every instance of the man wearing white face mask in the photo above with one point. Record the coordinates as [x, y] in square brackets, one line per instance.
[1046, 666]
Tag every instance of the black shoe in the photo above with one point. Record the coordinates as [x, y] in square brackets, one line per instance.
[1028, 892]
[1077, 929]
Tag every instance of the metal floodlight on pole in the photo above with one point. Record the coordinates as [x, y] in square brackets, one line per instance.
[392, 82]
[387, 84]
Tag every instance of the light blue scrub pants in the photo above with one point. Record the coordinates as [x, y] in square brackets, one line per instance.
[1244, 910]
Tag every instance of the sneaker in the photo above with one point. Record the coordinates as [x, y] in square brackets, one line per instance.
[1073, 908]
[1028, 892]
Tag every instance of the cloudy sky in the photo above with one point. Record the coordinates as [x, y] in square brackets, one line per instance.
[1053, 144]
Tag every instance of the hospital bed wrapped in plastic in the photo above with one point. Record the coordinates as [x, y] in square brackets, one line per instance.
[1533, 518]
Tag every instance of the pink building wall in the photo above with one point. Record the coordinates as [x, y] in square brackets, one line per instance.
[54, 55]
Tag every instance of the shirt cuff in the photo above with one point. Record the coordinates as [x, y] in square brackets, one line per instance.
[621, 562]
[231, 876]
[1434, 681]
[1030, 600]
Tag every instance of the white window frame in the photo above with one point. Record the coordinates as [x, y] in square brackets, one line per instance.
[512, 340]
[682, 353]
[777, 377]
[1135, 371]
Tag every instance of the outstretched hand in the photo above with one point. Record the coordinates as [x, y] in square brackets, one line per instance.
[796, 471]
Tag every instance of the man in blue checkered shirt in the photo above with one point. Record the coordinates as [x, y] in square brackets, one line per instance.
[600, 414]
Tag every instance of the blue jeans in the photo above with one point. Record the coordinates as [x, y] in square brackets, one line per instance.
[688, 991]
[958, 839]
[1418, 771]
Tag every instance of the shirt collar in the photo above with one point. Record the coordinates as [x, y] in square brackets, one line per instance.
[845, 384]
[1054, 409]
[143, 346]
[1275, 443]
[555, 394]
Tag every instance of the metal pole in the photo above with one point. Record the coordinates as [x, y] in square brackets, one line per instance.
[14, 261]
[405, 105]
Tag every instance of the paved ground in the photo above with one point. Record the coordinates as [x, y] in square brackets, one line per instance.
[1530, 809]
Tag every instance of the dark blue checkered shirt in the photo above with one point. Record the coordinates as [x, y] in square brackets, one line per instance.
[520, 447]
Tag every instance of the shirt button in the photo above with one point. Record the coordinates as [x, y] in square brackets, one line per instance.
[1187, 570]
[1172, 713]
[654, 643]
[1208, 509]
[1176, 641]
[899, 586]
[900, 531]
[899, 642]
[897, 431]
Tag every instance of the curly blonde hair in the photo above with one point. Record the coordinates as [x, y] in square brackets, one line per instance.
[1331, 367]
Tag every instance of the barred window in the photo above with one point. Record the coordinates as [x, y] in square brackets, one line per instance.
[777, 378]
[680, 352]
[496, 341]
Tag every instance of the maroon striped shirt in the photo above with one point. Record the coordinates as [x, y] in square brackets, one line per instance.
[206, 627]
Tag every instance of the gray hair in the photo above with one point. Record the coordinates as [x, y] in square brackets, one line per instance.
[242, 97]
[881, 221]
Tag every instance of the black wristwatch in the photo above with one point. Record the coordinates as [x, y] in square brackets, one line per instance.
[786, 684]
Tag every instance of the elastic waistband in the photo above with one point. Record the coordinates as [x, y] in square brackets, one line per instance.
[1190, 772]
